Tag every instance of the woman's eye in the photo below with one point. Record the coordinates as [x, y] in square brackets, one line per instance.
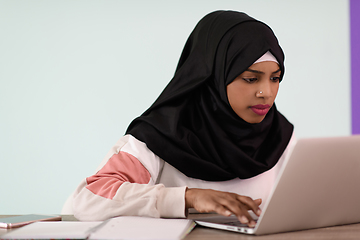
[275, 79]
[250, 80]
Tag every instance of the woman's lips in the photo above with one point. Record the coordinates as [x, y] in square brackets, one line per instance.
[260, 109]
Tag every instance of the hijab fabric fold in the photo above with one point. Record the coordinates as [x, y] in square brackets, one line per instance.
[192, 126]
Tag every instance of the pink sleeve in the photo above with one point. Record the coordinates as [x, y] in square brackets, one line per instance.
[125, 184]
[121, 167]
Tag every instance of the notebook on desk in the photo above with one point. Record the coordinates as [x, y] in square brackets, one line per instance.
[318, 186]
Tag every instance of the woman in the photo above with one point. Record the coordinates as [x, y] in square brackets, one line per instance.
[213, 140]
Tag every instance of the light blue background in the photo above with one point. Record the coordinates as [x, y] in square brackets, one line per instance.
[74, 73]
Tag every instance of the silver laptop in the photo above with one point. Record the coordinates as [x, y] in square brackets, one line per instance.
[318, 186]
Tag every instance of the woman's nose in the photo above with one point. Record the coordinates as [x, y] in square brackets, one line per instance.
[264, 89]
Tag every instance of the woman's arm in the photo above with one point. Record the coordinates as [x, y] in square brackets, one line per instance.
[125, 185]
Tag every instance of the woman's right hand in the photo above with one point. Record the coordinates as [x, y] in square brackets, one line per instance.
[224, 203]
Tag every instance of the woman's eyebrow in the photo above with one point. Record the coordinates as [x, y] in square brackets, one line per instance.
[260, 72]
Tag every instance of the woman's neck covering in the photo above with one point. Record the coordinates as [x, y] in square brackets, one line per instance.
[192, 126]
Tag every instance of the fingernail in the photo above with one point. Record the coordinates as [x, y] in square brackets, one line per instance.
[258, 212]
[227, 212]
[252, 224]
[244, 219]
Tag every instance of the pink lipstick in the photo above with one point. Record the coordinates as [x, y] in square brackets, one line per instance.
[260, 109]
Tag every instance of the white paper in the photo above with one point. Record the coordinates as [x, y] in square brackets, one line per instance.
[137, 228]
[52, 230]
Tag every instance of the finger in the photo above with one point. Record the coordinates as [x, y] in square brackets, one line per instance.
[251, 204]
[258, 201]
[245, 218]
[240, 210]
[222, 210]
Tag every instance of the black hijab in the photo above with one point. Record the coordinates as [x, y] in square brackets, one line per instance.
[192, 125]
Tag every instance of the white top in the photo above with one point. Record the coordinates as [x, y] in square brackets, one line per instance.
[133, 181]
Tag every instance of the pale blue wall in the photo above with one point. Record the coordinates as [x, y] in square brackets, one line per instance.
[70, 81]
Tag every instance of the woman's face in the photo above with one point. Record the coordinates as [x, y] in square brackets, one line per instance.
[253, 92]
